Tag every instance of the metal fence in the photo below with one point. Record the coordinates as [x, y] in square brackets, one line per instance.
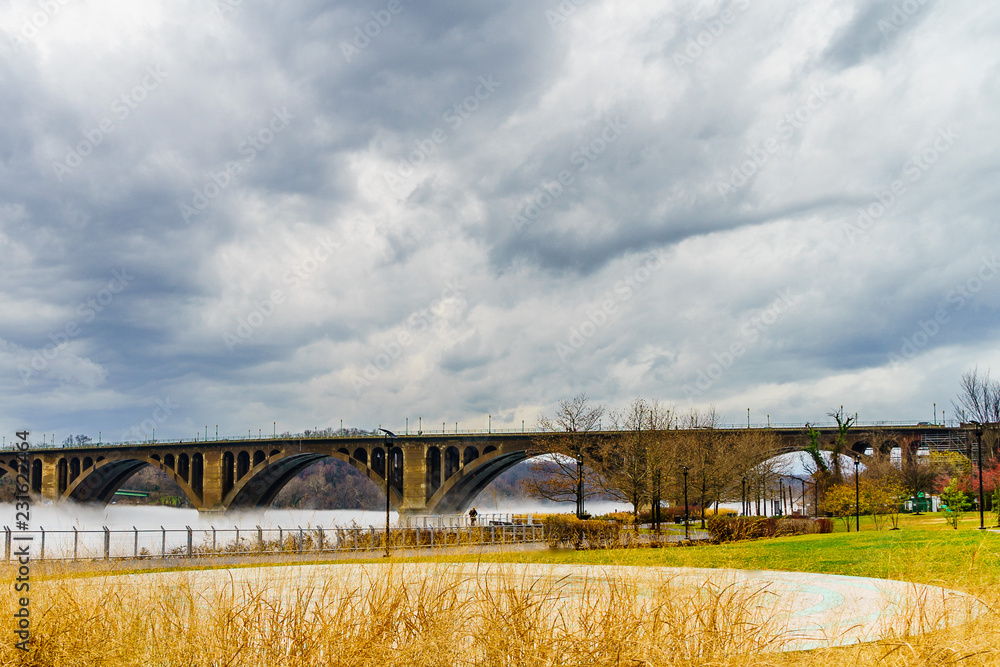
[164, 543]
[463, 520]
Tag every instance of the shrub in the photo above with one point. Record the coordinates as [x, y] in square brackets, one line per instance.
[567, 530]
[722, 512]
[625, 518]
[732, 529]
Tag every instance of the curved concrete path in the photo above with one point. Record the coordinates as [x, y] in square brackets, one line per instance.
[800, 610]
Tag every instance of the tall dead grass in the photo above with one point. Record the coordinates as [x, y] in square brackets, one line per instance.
[422, 614]
[387, 615]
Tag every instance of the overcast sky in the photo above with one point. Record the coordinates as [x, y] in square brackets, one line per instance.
[236, 213]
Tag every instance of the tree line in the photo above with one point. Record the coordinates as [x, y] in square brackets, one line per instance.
[646, 455]
[642, 455]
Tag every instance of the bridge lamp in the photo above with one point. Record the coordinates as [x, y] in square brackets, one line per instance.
[388, 434]
[979, 441]
[687, 535]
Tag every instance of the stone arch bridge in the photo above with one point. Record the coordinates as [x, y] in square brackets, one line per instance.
[439, 473]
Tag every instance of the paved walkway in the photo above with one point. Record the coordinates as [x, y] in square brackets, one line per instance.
[799, 610]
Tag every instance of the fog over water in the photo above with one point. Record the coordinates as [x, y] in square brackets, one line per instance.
[136, 528]
[125, 517]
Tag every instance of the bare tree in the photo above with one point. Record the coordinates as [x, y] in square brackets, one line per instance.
[701, 450]
[840, 444]
[663, 456]
[636, 462]
[757, 450]
[979, 401]
[571, 454]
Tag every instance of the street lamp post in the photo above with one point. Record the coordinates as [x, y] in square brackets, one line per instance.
[857, 495]
[687, 534]
[385, 446]
[979, 441]
[781, 495]
[743, 495]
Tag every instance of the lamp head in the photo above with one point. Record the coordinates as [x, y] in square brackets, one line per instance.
[388, 433]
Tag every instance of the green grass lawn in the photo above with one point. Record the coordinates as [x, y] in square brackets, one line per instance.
[926, 550]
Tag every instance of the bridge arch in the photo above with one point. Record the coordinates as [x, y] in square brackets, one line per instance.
[459, 489]
[8, 466]
[262, 483]
[99, 483]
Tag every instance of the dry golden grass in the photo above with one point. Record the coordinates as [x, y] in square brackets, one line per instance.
[441, 615]
[391, 615]
[424, 614]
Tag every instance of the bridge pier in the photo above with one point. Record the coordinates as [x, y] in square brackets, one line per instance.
[212, 485]
[414, 479]
[50, 482]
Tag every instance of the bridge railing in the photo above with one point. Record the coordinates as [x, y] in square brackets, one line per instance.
[174, 543]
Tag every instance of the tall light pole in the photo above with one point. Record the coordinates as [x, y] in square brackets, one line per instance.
[743, 495]
[385, 446]
[781, 495]
[687, 535]
[815, 498]
[857, 495]
[979, 441]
